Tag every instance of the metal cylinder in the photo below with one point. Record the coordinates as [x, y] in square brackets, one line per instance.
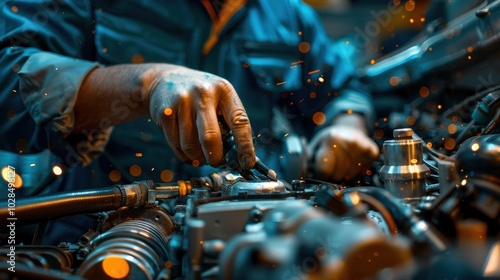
[404, 171]
[134, 249]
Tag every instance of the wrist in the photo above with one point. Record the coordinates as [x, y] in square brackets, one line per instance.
[352, 120]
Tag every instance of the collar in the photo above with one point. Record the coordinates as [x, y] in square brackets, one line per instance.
[220, 14]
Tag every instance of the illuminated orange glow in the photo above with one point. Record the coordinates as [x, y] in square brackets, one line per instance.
[491, 266]
[422, 19]
[424, 91]
[196, 163]
[115, 176]
[138, 154]
[246, 64]
[18, 182]
[313, 71]
[115, 267]
[439, 107]
[319, 118]
[57, 170]
[137, 58]
[411, 120]
[449, 144]
[14, 9]
[304, 47]
[325, 159]
[394, 81]
[470, 49]
[12, 177]
[355, 199]
[349, 111]
[475, 147]
[469, 57]
[429, 144]
[396, 2]
[167, 111]
[312, 95]
[166, 176]
[379, 133]
[135, 170]
[452, 128]
[411, 20]
[372, 61]
[410, 5]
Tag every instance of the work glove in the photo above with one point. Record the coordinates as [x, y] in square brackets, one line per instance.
[185, 103]
[340, 152]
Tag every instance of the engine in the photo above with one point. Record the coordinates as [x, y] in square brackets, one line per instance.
[424, 217]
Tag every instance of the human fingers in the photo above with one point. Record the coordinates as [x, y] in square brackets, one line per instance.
[324, 162]
[188, 132]
[210, 135]
[332, 161]
[170, 127]
[237, 119]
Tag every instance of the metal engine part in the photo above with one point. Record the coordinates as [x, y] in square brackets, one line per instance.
[404, 172]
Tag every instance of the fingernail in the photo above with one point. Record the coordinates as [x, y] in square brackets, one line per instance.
[246, 162]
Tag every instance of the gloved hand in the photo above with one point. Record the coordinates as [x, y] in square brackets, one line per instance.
[341, 152]
[185, 104]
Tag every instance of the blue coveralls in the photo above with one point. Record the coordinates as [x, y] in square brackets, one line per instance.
[275, 53]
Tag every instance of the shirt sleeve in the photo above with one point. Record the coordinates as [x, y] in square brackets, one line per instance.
[46, 51]
[353, 95]
[336, 65]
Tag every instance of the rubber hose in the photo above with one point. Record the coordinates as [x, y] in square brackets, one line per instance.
[36, 209]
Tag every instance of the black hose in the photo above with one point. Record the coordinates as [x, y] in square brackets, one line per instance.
[36, 209]
[405, 219]
[491, 124]
[432, 188]
[382, 210]
[399, 211]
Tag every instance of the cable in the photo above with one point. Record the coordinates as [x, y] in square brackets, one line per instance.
[382, 210]
[475, 97]
[432, 188]
[491, 124]
[435, 154]
[431, 166]
[462, 134]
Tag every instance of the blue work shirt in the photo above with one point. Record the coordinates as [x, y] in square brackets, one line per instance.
[275, 53]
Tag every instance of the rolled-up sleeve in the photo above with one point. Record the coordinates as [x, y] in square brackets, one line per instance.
[333, 65]
[46, 51]
[353, 96]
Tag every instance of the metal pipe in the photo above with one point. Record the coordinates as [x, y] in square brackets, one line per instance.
[48, 207]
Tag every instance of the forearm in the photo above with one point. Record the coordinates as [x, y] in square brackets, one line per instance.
[113, 95]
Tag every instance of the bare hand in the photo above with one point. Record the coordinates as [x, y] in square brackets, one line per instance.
[341, 152]
[185, 104]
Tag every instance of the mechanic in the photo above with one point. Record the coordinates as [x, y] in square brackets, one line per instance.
[93, 80]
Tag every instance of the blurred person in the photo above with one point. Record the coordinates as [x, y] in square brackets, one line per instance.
[94, 80]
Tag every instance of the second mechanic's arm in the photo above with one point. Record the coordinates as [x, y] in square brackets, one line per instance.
[340, 148]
